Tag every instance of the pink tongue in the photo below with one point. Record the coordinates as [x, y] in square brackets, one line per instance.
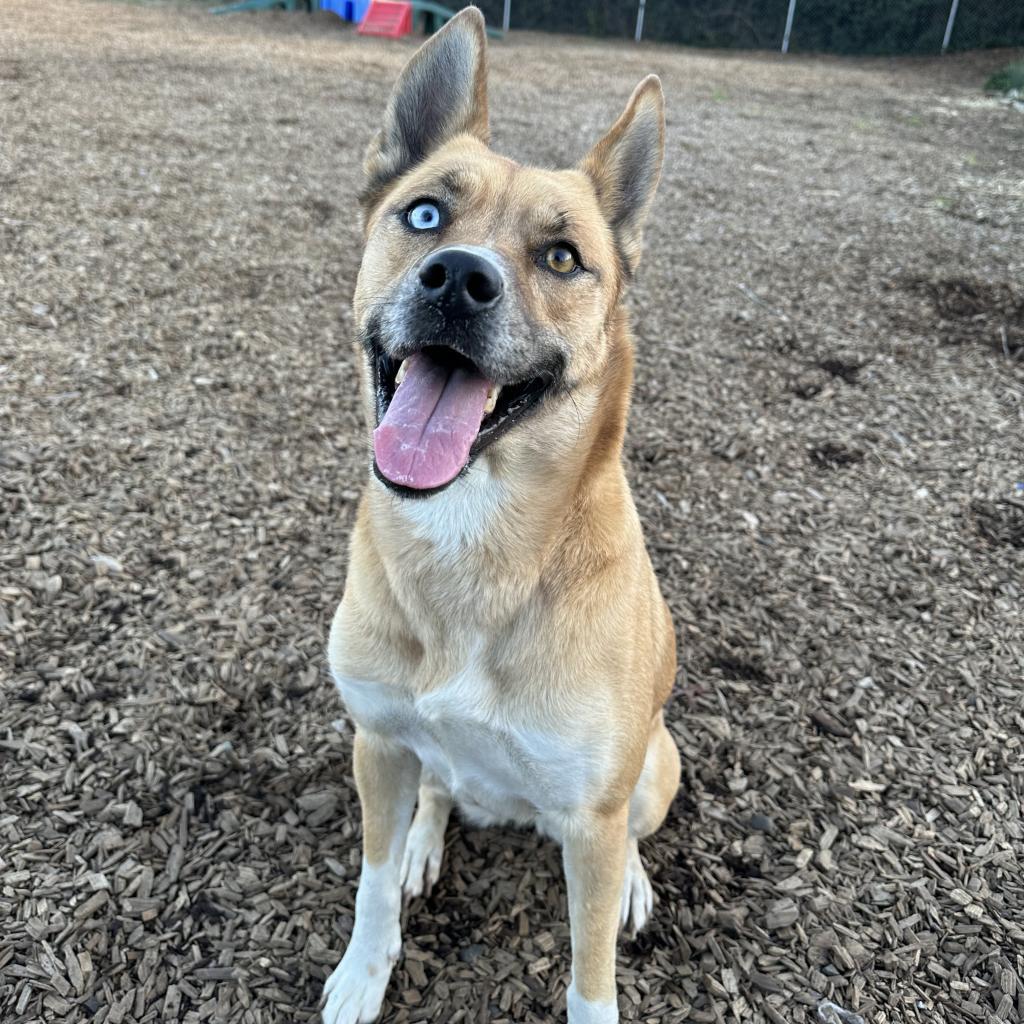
[424, 438]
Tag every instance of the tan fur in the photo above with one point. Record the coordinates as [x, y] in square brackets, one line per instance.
[555, 596]
[384, 771]
[595, 854]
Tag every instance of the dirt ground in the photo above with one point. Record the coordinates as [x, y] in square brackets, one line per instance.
[827, 451]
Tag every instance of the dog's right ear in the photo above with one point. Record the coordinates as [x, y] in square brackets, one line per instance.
[625, 167]
[441, 93]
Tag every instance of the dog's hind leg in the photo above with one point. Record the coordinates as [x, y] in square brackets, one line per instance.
[637, 899]
[424, 849]
[648, 806]
[386, 777]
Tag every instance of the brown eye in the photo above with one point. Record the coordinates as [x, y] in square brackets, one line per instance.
[560, 259]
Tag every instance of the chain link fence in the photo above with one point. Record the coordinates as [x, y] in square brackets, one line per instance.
[825, 26]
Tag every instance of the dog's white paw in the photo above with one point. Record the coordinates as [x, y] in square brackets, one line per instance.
[424, 851]
[355, 990]
[585, 1011]
[637, 900]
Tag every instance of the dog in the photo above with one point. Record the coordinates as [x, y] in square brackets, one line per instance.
[502, 644]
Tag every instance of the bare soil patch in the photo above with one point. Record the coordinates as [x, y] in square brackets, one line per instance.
[826, 448]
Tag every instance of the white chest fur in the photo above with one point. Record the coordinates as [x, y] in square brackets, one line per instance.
[459, 516]
[497, 764]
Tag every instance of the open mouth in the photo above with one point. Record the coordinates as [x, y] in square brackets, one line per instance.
[436, 411]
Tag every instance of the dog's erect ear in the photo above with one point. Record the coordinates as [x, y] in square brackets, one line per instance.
[441, 93]
[626, 164]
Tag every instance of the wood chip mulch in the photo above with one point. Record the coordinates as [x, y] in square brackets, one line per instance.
[827, 452]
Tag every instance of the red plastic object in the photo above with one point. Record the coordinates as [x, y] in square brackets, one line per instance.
[387, 18]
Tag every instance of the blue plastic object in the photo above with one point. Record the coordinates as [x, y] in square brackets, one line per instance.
[350, 10]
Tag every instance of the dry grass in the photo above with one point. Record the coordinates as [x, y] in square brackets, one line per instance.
[826, 447]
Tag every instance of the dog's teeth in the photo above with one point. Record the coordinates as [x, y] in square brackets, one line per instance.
[401, 372]
[492, 399]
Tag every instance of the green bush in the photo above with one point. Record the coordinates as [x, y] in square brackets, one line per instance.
[1011, 77]
[828, 26]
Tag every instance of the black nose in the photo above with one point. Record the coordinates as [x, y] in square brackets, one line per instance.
[461, 282]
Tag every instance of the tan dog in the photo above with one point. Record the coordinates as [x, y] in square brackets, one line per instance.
[502, 643]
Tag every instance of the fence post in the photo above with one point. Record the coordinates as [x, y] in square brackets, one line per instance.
[507, 16]
[949, 24]
[640, 20]
[789, 25]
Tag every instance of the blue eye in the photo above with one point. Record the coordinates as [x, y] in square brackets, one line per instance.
[423, 217]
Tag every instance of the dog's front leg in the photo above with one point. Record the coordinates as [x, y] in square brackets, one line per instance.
[387, 777]
[594, 851]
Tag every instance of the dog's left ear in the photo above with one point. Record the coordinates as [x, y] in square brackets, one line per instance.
[626, 164]
[441, 93]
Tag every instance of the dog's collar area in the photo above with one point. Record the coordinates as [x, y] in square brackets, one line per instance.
[513, 403]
